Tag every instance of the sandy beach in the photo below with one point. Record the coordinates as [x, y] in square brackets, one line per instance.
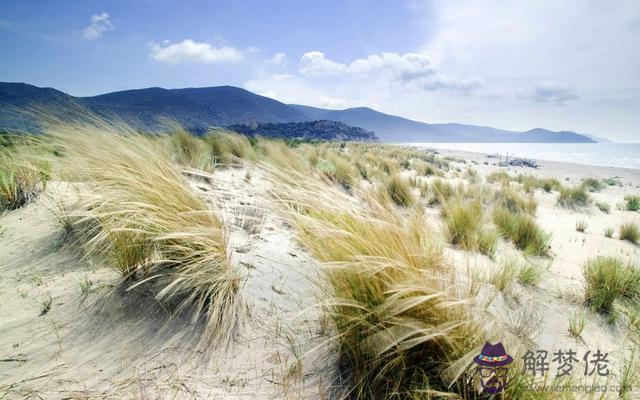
[68, 331]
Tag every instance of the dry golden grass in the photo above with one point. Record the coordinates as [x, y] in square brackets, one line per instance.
[23, 173]
[137, 212]
[401, 317]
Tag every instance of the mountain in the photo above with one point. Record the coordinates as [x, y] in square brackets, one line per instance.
[198, 109]
[320, 130]
[391, 128]
[194, 108]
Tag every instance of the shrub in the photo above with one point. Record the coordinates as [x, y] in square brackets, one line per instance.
[608, 279]
[572, 197]
[632, 203]
[630, 231]
[604, 206]
[399, 191]
[522, 230]
[139, 214]
[581, 226]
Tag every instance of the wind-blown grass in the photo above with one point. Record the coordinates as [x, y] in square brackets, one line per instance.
[138, 214]
[399, 315]
[191, 151]
[22, 176]
[399, 191]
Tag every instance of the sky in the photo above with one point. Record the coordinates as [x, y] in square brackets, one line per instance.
[518, 64]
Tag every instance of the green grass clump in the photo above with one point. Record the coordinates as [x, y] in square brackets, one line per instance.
[573, 197]
[592, 185]
[22, 177]
[632, 203]
[522, 230]
[608, 279]
[500, 176]
[630, 231]
[138, 214]
[442, 191]
[465, 226]
[608, 232]
[399, 191]
[577, 323]
[514, 202]
[603, 206]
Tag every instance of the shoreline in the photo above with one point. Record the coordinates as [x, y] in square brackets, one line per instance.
[546, 168]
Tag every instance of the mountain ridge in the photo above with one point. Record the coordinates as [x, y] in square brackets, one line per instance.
[199, 109]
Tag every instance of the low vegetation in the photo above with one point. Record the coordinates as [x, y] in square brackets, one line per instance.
[138, 214]
[629, 231]
[23, 176]
[581, 225]
[607, 280]
[573, 197]
[522, 230]
[632, 203]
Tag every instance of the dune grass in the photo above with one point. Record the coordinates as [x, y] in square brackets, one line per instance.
[629, 231]
[573, 197]
[399, 191]
[138, 214]
[608, 279]
[514, 201]
[603, 206]
[632, 203]
[581, 225]
[23, 175]
[191, 151]
[400, 317]
[227, 147]
[592, 185]
[465, 226]
[522, 230]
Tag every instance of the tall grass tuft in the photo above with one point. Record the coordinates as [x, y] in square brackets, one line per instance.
[573, 197]
[630, 231]
[139, 214]
[191, 151]
[399, 191]
[465, 225]
[22, 176]
[608, 279]
[400, 317]
[227, 147]
[522, 230]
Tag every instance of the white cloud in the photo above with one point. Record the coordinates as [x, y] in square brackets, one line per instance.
[554, 92]
[100, 24]
[276, 59]
[194, 52]
[407, 66]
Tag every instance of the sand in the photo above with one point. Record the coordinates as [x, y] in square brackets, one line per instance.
[92, 344]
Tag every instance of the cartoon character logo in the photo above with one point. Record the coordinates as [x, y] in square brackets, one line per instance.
[492, 365]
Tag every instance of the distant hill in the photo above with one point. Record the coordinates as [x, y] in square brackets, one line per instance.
[322, 130]
[198, 109]
[391, 128]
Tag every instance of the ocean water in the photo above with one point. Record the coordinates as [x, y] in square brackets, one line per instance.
[625, 155]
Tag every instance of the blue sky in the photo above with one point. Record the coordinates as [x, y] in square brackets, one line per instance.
[561, 64]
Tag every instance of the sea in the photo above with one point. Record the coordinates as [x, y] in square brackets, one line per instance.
[626, 155]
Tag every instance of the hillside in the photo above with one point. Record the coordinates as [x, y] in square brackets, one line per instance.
[321, 130]
[198, 109]
[391, 128]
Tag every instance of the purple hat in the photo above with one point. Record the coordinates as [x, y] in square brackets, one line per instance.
[493, 355]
